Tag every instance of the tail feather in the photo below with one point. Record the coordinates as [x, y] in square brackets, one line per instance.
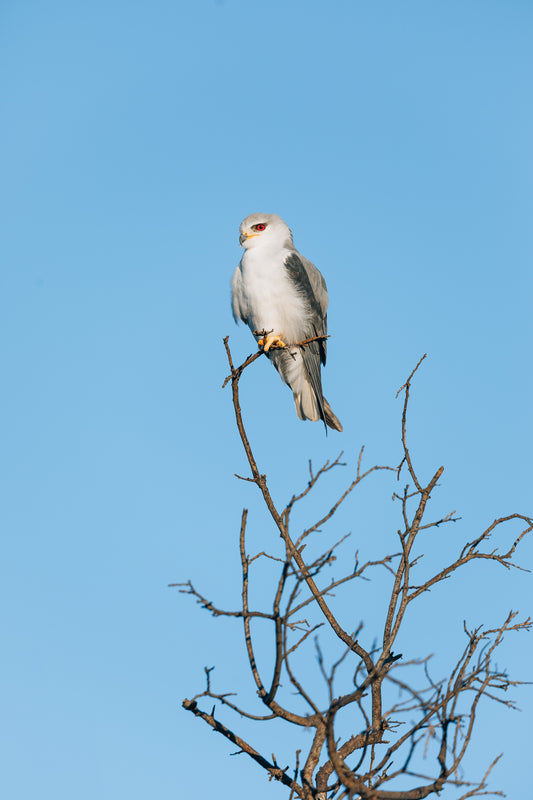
[306, 404]
[313, 378]
[330, 418]
[300, 369]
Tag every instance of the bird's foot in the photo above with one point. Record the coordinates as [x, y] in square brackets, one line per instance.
[271, 340]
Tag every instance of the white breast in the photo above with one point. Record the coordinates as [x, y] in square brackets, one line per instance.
[272, 301]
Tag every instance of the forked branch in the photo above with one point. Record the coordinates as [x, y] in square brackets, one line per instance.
[402, 720]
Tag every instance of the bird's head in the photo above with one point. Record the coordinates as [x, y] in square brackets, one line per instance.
[261, 229]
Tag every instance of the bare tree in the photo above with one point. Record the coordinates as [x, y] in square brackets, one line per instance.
[401, 711]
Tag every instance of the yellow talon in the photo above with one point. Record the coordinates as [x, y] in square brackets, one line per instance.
[271, 340]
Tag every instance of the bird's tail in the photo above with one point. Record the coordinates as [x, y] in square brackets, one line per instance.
[307, 407]
[305, 402]
[302, 373]
[330, 418]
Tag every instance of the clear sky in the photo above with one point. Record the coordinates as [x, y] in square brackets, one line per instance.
[395, 138]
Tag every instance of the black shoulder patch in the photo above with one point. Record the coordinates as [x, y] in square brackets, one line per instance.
[300, 279]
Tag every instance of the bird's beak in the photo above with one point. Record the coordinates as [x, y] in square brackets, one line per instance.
[244, 236]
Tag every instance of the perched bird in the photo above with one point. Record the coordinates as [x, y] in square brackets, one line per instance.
[283, 299]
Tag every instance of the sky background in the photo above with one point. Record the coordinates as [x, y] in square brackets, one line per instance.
[395, 138]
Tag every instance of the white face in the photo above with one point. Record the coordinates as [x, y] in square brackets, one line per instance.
[260, 229]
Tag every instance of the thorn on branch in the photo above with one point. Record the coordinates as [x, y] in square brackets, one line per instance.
[241, 478]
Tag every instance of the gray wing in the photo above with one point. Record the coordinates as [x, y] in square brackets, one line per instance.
[318, 284]
[311, 285]
[238, 303]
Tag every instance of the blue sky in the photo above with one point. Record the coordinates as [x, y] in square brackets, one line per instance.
[395, 140]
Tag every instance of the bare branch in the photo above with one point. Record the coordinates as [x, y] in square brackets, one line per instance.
[273, 770]
[410, 732]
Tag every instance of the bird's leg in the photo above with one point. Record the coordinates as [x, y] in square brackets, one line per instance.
[271, 340]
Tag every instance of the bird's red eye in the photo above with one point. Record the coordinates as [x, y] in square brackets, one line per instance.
[260, 227]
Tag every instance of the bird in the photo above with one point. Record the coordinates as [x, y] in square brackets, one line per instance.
[283, 299]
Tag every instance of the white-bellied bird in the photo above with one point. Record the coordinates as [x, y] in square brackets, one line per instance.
[283, 299]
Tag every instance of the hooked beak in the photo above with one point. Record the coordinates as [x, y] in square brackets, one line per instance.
[244, 236]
